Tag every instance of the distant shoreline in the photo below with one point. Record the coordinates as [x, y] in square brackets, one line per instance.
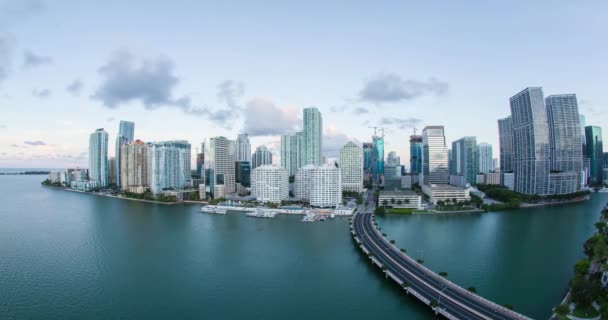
[25, 173]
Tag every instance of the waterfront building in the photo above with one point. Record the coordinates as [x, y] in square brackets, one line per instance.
[434, 156]
[243, 148]
[168, 165]
[220, 163]
[451, 162]
[583, 124]
[530, 142]
[134, 165]
[563, 182]
[507, 180]
[351, 167]
[313, 136]
[270, 184]
[87, 185]
[325, 186]
[445, 192]
[98, 157]
[367, 163]
[594, 150]
[243, 173]
[302, 182]
[291, 152]
[407, 181]
[484, 157]
[112, 175]
[415, 154]
[492, 178]
[465, 159]
[126, 134]
[261, 157]
[565, 140]
[392, 177]
[400, 199]
[505, 137]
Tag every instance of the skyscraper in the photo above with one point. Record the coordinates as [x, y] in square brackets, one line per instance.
[134, 165]
[484, 157]
[98, 157]
[594, 149]
[505, 136]
[243, 148]
[530, 142]
[261, 157]
[291, 152]
[351, 167]
[125, 135]
[270, 183]
[313, 136]
[168, 164]
[200, 161]
[393, 159]
[564, 138]
[434, 156]
[367, 163]
[377, 159]
[465, 159]
[415, 154]
[222, 177]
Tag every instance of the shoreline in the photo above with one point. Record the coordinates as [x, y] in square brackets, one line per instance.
[553, 203]
[116, 197]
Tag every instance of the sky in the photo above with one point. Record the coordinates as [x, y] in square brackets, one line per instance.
[195, 69]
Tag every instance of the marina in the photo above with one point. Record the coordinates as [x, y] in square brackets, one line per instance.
[310, 214]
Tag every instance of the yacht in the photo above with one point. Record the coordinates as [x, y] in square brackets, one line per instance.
[214, 209]
[604, 189]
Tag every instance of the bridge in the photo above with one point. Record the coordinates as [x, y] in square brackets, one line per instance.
[443, 296]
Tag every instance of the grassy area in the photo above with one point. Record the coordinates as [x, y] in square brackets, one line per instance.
[401, 210]
[585, 312]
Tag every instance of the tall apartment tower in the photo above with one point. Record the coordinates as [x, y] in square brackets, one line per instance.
[564, 136]
[126, 132]
[134, 165]
[291, 152]
[168, 164]
[243, 148]
[98, 157]
[530, 142]
[484, 158]
[464, 155]
[261, 157]
[415, 154]
[351, 167]
[220, 163]
[313, 136]
[434, 156]
[594, 150]
[505, 137]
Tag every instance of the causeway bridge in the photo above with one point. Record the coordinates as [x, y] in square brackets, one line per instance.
[443, 296]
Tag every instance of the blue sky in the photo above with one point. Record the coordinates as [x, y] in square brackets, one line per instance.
[193, 70]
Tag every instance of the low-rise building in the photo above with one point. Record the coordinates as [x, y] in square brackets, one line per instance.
[443, 192]
[457, 180]
[86, 185]
[563, 182]
[400, 199]
[508, 180]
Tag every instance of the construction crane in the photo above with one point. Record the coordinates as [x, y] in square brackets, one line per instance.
[376, 129]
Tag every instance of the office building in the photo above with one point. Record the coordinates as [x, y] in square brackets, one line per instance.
[243, 148]
[243, 173]
[367, 163]
[219, 160]
[313, 136]
[200, 162]
[415, 154]
[168, 165]
[270, 183]
[261, 157]
[392, 159]
[112, 175]
[464, 154]
[434, 156]
[530, 142]
[378, 159]
[302, 182]
[505, 137]
[400, 199]
[351, 167]
[292, 146]
[126, 134]
[134, 165]
[507, 180]
[484, 158]
[445, 192]
[594, 151]
[98, 157]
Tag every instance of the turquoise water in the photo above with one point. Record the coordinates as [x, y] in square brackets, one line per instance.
[71, 255]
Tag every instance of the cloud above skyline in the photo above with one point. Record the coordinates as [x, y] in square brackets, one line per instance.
[34, 143]
[75, 87]
[401, 123]
[32, 60]
[391, 88]
[42, 93]
[264, 118]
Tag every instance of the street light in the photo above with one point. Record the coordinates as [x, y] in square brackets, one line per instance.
[440, 294]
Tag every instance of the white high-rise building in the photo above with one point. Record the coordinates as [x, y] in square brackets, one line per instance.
[126, 133]
[313, 136]
[261, 157]
[351, 167]
[484, 157]
[270, 184]
[302, 182]
[168, 164]
[325, 186]
[291, 152]
[134, 165]
[243, 148]
[434, 156]
[98, 157]
[222, 179]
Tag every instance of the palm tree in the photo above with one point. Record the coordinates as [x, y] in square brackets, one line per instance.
[443, 274]
[399, 202]
[392, 241]
[393, 200]
[403, 250]
[472, 289]
[420, 261]
[406, 201]
[384, 202]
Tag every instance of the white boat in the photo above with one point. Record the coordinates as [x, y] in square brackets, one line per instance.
[332, 215]
[604, 189]
[309, 217]
[262, 213]
[214, 209]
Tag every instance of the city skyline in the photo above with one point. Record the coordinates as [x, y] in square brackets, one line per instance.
[401, 79]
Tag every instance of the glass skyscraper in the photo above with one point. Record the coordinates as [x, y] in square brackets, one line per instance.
[434, 156]
[261, 157]
[98, 157]
[484, 158]
[530, 142]
[415, 154]
[505, 137]
[243, 148]
[168, 164]
[291, 152]
[594, 150]
[126, 132]
[313, 136]
[464, 158]
[377, 159]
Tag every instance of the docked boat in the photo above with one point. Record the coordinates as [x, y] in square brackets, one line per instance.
[604, 189]
[309, 217]
[262, 213]
[214, 209]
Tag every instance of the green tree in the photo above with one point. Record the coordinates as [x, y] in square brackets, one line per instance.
[584, 291]
[472, 289]
[443, 274]
[562, 309]
[582, 267]
[379, 210]
[600, 226]
[392, 200]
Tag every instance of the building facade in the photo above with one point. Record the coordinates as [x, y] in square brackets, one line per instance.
[313, 136]
[434, 156]
[351, 167]
[505, 138]
[168, 165]
[325, 186]
[594, 151]
[220, 165]
[484, 158]
[126, 134]
[270, 184]
[464, 159]
[415, 154]
[134, 165]
[98, 157]
[243, 148]
[261, 157]
[291, 152]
